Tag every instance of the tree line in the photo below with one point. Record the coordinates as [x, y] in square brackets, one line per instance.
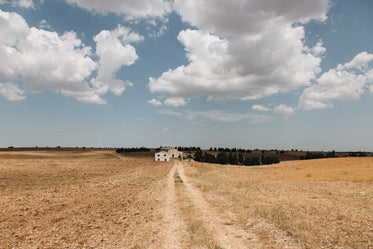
[233, 159]
[141, 149]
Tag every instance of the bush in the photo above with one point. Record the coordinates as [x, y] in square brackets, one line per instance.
[121, 150]
[270, 160]
[251, 161]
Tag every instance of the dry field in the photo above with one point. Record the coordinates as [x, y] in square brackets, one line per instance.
[99, 199]
[68, 199]
[324, 203]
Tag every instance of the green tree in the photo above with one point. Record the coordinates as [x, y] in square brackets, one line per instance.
[198, 156]
[230, 158]
[222, 158]
[240, 158]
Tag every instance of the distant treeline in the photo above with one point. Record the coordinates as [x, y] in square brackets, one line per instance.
[193, 148]
[233, 159]
[239, 150]
[141, 149]
[357, 154]
[317, 155]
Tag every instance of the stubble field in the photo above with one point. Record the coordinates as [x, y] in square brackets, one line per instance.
[324, 203]
[93, 199]
[100, 199]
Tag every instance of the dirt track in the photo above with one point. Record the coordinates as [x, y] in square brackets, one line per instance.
[219, 226]
[224, 234]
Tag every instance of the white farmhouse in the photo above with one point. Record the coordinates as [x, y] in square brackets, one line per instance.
[162, 156]
[174, 153]
[165, 156]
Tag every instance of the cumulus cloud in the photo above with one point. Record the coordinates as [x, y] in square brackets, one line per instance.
[318, 49]
[248, 17]
[283, 111]
[345, 82]
[175, 101]
[11, 91]
[280, 110]
[133, 9]
[114, 52]
[28, 4]
[43, 24]
[44, 60]
[155, 102]
[243, 49]
[260, 108]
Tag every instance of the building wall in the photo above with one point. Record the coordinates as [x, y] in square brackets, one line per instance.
[162, 156]
[174, 153]
[167, 155]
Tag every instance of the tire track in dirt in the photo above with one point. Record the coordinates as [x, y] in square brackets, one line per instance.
[173, 226]
[225, 234]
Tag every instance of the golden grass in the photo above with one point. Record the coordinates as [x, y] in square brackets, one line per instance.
[92, 199]
[318, 203]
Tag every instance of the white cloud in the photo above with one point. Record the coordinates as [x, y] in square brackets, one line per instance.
[260, 108]
[170, 112]
[28, 4]
[280, 110]
[164, 129]
[44, 60]
[283, 111]
[360, 61]
[131, 8]
[155, 102]
[11, 91]
[220, 116]
[346, 82]
[159, 32]
[114, 52]
[244, 49]
[318, 49]
[248, 17]
[43, 24]
[175, 101]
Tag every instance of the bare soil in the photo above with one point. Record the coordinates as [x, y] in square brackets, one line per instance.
[90, 199]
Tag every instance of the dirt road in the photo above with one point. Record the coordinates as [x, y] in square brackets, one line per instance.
[223, 233]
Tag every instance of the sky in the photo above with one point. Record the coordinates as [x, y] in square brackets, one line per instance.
[267, 74]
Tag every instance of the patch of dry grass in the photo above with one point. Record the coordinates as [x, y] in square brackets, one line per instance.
[93, 199]
[318, 203]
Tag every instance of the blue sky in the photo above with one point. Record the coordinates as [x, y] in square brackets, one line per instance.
[252, 74]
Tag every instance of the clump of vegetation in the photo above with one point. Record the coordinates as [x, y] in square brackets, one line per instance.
[178, 179]
[318, 155]
[357, 154]
[141, 149]
[233, 159]
[251, 161]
